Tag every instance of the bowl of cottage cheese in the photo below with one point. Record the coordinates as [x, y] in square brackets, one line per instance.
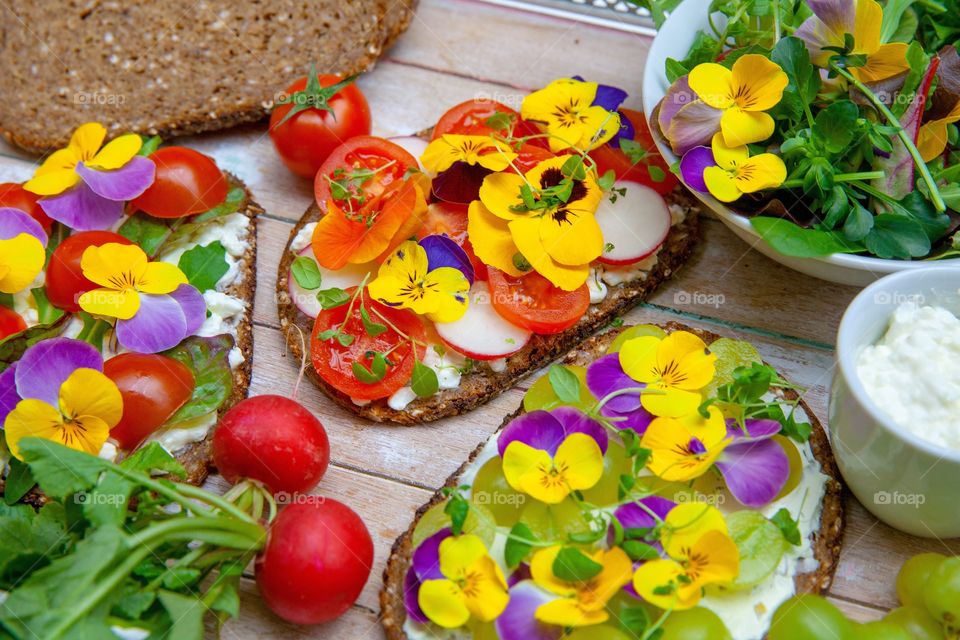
[895, 400]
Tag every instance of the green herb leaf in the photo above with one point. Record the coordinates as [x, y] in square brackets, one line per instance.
[565, 383]
[148, 232]
[208, 361]
[519, 544]
[46, 312]
[859, 222]
[306, 272]
[345, 339]
[899, 237]
[635, 620]
[61, 471]
[788, 526]
[501, 121]
[836, 126]
[572, 565]
[640, 550]
[791, 240]
[332, 298]
[13, 346]
[424, 381]
[372, 328]
[149, 145]
[607, 180]
[204, 265]
[186, 615]
[373, 375]
[19, 480]
[457, 508]
[574, 168]
[793, 57]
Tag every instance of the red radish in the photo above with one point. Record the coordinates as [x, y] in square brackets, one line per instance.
[274, 440]
[482, 334]
[350, 275]
[412, 144]
[636, 224]
[317, 558]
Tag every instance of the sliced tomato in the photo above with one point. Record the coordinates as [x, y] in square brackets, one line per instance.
[451, 219]
[470, 118]
[533, 302]
[187, 182]
[608, 158]
[11, 322]
[334, 362]
[388, 161]
[14, 195]
[530, 156]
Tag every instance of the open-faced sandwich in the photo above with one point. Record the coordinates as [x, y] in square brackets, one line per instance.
[659, 480]
[126, 288]
[423, 288]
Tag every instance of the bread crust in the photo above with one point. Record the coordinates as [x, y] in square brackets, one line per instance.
[826, 543]
[481, 384]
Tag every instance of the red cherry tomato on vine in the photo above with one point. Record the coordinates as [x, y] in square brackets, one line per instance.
[187, 182]
[533, 302]
[11, 322]
[650, 166]
[65, 280]
[153, 387]
[304, 140]
[14, 195]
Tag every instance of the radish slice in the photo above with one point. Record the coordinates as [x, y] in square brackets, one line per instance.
[636, 224]
[412, 144]
[350, 276]
[482, 334]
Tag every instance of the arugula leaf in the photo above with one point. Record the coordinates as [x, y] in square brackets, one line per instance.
[236, 197]
[565, 383]
[424, 381]
[204, 265]
[791, 240]
[61, 471]
[332, 298]
[13, 346]
[148, 232]
[186, 615]
[572, 565]
[519, 544]
[895, 236]
[208, 360]
[306, 272]
[19, 480]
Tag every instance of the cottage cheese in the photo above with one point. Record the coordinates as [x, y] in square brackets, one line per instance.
[913, 373]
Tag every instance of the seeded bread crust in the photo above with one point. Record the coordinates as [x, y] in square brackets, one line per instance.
[482, 383]
[174, 68]
[826, 543]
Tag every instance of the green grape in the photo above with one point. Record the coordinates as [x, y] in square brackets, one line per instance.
[760, 544]
[676, 491]
[941, 594]
[482, 630]
[491, 490]
[914, 575]
[635, 331]
[882, 630]
[615, 463]
[553, 522]
[604, 632]
[480, 522]
[796, 466]
[695, 624]
[810, 617]
[730, 355]
[540, 395]
[916, 621]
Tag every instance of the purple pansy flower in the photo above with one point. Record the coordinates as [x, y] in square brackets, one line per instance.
[685, 120]
[610, 98]
[754, 466]
[424, 565]
[605, 376]
[546, 430]
[640, 515]
[692, 166]
[518, 621]
[442, 251]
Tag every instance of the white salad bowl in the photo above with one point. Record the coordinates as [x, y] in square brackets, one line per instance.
[674, 41]
[903, 479]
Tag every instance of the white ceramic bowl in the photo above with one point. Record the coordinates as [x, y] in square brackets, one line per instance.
[673, 41]
[903, 479]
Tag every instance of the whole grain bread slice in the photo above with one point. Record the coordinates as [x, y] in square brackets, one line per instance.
[176, 67]
[483, 383]
[826, 543]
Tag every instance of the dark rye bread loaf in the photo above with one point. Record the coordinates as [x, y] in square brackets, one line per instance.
[175, 67]
[483, 383]
[826, 543]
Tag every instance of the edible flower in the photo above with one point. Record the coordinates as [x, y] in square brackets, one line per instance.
[566, 110]
[542, 220]
[826, 31]
[430, 278]
[754, 465]
[645, 515]
[619, 392]
[685, 120]
[700, 553]
[743, 94]
[453, 579]
[57, 390]
[490, 154]
[582, 602]
[610, 98]
[932, 137]
[549, 454]
[85, 186]
[676, 367]
[684, 448]
[729, 172]
[154, 306]
[22, 249]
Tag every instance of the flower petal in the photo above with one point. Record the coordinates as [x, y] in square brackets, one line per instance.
[689, 355]
[426, 558]
[518, 621]
[867, 26]
[719, 556]
[721, 184]
[442, 251]
[51, 183]
[693, 125]
[83, 210]
[88, 392]
[570, 236]
[713, 83]
[491, 239]
[449, 288]
[193, 306]
[158, 325]
[756, 429]
[638, 358]
[541, 571]
[459, 553]
[566, 612]
[580, 455]
[489, 596]
[653, 579]
[678, 95]
[758, 82]
[687, 523]
[124, 183]
[110, 302]
[31, 418]
[764, 171]
[932, 139]
[692, 166]
[634, 516]
[727, 157]
[538, 429]
[13, 222]
[8, 391]
[442, 601]
[524, 469]
[526, 236]
[887, 61]
[411, 591]
[86, 140]
[21, 259]
[160, 277]
[499, 192]
[604, 376]
[114, 265]
[755, 471]
[576, 421]
[741, 127]
[47, 365]
[118, 152]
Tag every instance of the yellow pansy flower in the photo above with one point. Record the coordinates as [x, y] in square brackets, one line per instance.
[676, 367]
[581, 603]
[58, 172]
[21, 259]
[744, 93]
[558, 240]
[684, 448]
[477, 150]
[736, 173]
[565, 109]
[932, 138]
[576, 465]
[123, 273]
[473, 585]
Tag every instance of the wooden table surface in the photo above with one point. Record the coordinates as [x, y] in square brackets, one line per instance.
[461, 49]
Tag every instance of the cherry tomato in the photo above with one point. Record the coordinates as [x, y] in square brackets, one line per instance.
[532, 302]
[470, 119]
[608, 158]
[14, 195]
[153, 387]
[11, 322]
[387, 160]
[274, 440]
[65, 280]
[451, 219]
[317, 558]
[334, 362]
[187, 182]
[307, 138]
